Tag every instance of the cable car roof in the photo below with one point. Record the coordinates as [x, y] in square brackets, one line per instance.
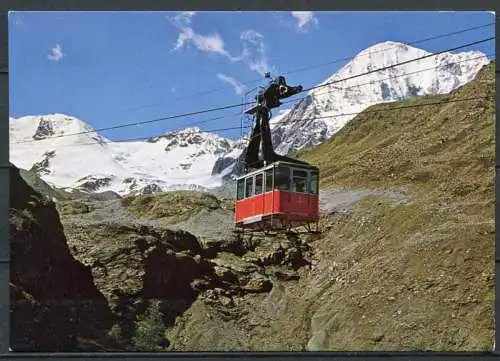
[276, 164]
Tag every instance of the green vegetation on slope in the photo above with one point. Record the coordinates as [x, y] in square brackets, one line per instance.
[180, 204]
[75, 207]
[430, 262]
[446, 147]
[149, 333]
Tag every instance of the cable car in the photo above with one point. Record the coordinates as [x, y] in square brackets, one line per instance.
[275, 192]
[281, 195]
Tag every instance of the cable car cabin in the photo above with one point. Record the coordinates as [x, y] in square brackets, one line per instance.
[281, 195]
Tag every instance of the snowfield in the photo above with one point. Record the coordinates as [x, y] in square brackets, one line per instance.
[181, 160]
[438, 74]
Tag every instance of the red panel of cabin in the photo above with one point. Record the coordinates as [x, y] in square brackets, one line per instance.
[297, 206]
[259, 205]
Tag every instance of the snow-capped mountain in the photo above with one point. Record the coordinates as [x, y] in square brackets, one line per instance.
[324, 110]
[191, 159]
[89, 162]
[321, 111]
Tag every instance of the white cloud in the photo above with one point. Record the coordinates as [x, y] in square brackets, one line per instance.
[303, 18]
[207, 43]
[184, 17]
[238, 87]
[56, 53]
[253, 53]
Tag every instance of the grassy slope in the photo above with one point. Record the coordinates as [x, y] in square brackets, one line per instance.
[430, 262]
[166, 205]
[448, 146]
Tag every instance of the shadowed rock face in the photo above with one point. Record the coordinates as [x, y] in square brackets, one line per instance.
[135, 260]
[221, 164]
[134, 264]
[54, 302]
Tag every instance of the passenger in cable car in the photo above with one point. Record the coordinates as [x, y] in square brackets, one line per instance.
[300, 186]
[299, 181]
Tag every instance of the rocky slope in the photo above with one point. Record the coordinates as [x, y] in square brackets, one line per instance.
[135, 258]
[426, 268]
[55, 305]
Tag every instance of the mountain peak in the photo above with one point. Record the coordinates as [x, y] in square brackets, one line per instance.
[53, 126]
[190, 130]
[193, 136]
[344, 94]
[386, 46]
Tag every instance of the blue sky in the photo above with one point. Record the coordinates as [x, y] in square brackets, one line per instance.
[110, 68]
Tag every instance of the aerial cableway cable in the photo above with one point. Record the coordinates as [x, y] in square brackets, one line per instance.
[251, 103]
[302, 119]
[389, 78]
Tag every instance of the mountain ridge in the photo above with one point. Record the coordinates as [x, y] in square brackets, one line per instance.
[172, 161]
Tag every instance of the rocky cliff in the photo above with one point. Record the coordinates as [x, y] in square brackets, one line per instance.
[55, 305]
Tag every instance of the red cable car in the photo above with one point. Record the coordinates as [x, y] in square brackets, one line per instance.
[277, 192]
[282, 195]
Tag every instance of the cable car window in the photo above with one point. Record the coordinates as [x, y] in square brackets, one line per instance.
[299, 181]
[269, 180]
[300, 173]
[249, 187]
[240, 189]
[258, 183]
[282, 178]
[313, 184]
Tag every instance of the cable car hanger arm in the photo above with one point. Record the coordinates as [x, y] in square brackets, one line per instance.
[266, 100]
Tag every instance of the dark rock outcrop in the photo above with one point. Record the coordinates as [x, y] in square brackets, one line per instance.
[44, 130]
[221, 164]
[42, 167]
[151, 189]
[134, 264]
[92, 184]
[55, 305]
